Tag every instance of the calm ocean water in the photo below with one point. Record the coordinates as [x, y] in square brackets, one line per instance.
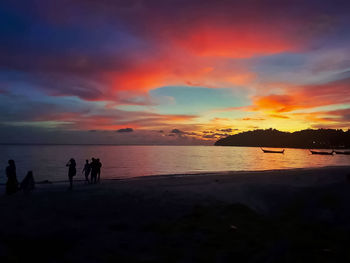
[48, 161]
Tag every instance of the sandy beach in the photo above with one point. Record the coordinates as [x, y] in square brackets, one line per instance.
[298, 215]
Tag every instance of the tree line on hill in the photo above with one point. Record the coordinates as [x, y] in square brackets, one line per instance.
[312, 139]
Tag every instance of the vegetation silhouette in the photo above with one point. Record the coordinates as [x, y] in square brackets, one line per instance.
[308, 139]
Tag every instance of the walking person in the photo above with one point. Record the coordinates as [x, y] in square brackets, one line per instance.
[99, 165]
[12, 183]
[94, 170]
[71, 172]
[87, 170]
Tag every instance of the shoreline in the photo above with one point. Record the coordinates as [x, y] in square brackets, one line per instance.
[177, 145]
[234, 174]
[183, 218]
[292, 178]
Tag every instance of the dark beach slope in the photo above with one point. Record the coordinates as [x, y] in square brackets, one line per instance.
[299, 215]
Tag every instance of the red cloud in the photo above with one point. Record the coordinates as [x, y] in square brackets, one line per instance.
[235, 41]
[191, 43]
[197, 43]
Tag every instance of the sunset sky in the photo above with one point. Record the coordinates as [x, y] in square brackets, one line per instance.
[170, 71]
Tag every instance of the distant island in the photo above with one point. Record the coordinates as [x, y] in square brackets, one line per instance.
[313, 139]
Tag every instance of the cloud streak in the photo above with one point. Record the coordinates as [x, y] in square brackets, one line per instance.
[95, 65]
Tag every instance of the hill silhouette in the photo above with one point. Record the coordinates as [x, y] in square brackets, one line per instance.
[315, 139]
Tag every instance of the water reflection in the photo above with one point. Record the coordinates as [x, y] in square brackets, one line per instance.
[131, 161]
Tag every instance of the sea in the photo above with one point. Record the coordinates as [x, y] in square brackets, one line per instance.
[48, 162]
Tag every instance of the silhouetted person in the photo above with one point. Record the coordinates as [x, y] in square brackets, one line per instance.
[87, 170]
[12, 183]
[94, 170]
[71, 171]
[99, 165]
[28, 183]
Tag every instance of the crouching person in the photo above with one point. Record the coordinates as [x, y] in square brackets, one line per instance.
[28, 183]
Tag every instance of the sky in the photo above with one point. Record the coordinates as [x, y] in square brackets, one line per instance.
[170, 71]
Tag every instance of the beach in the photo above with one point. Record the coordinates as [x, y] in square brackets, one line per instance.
[293, 215]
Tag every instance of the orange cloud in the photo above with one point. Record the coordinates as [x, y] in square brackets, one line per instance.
[304, 97]
[278, 116]
[252, 119]
[276, 103]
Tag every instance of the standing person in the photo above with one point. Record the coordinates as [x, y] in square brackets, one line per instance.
[99, 165]
[71, 171]
[87, 170]
[94, 170]
[12, 183]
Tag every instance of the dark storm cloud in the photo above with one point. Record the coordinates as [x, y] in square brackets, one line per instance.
[125, 130]
[227, 130]
[176, 131]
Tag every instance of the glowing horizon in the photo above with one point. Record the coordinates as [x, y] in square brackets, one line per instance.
[172, 71]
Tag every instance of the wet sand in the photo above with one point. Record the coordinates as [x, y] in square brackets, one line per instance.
[299, 215]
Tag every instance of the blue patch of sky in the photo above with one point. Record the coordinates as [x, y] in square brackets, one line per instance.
[278, 63]
[32, 35]
[11, 24]
[295, 68]
[21, 84]
[280, 67]
[19, 93]
[195, 100]
[338, 34]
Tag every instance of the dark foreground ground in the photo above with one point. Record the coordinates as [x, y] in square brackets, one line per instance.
[273, 216]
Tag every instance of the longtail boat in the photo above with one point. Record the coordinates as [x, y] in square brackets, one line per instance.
[271, 151]
[345, 152]
[322, 153]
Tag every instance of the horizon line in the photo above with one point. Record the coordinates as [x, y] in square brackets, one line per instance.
[101, 144]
